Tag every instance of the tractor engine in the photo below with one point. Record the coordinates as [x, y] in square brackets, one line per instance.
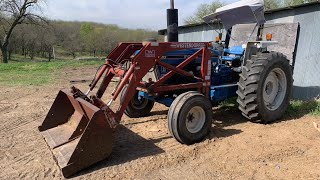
[221, 73]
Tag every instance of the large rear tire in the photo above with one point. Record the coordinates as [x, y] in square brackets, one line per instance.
[190, 117]
[138, 106]
[265, 87]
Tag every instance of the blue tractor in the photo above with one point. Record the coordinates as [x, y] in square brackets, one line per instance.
[187, 77]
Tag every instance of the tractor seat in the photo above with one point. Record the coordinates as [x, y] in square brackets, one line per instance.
[236, 50]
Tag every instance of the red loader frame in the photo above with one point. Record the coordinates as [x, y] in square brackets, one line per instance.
[150, 54]
[79, 129]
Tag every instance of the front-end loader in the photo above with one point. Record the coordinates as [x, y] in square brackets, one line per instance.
[187, 77]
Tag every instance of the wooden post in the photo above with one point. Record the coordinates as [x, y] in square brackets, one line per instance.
[53, 53]
[1, 60]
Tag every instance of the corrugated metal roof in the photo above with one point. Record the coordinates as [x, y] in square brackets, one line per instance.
[163, 31]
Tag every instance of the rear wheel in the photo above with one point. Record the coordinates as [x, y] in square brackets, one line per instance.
[190, 117]
[265, 87]
[138, 106]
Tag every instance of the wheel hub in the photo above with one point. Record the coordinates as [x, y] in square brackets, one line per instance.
[269, 88]
[274, 90]
[196, 118]
[139, 102]
[190, 118]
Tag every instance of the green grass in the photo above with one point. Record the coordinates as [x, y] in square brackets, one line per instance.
[301, 108]
[36, 73]
[229, 104]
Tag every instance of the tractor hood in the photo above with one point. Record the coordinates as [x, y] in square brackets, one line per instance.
[241, 12]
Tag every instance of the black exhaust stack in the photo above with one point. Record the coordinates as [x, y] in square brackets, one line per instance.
[172, 23]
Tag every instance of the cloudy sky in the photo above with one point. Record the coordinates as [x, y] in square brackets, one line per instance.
[147, 14]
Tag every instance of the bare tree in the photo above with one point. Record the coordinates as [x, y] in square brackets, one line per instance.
[13, 13]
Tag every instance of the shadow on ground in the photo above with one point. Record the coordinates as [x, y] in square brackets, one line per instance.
[223, 117]
[128, 146]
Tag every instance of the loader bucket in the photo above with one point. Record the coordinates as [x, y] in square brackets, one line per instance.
[77, 132]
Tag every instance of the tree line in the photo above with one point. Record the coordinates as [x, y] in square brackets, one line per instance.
[72, 38]
[24, 31]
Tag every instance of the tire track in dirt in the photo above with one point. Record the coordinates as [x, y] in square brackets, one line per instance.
[18, 130]
[22, 113]
[18, 158]
[184, 172]
[5, 107]
[19, 123]
[15, 97]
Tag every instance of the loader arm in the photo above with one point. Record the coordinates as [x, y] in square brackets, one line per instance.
[150, 55]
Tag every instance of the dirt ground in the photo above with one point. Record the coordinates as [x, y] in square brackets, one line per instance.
[235, 148]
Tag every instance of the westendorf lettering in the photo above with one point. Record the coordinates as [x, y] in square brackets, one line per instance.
[188, 45]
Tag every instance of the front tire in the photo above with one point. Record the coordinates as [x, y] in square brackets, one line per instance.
[265, 87]
[138, 106]
[190, 117]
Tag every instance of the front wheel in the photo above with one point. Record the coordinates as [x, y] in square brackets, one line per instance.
[138, 106]
[190, 117]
